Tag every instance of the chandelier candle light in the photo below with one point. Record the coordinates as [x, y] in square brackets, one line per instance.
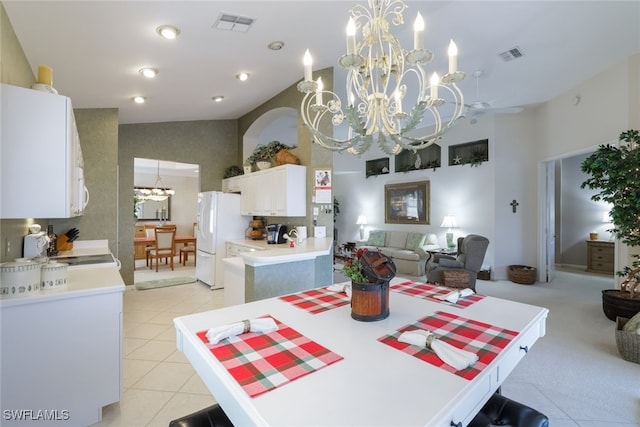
[378, 68]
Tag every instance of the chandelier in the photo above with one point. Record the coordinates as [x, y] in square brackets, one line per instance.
[378, 69]
[158, 193]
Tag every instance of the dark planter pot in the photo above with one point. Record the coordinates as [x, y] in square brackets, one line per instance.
[615, 305]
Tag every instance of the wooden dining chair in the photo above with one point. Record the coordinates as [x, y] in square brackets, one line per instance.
[150, 233]
[189, 249]
[165, 246]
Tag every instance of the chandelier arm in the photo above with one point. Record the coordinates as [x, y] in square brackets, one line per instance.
[377, 69]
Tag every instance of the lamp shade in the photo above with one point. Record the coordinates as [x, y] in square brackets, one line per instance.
[449, 221]
[362, 220]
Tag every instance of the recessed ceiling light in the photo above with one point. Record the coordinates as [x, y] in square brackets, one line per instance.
[277, 45]
[139, 99]
[149, 72]
[168, 31]
[218, 98]
[242, 76]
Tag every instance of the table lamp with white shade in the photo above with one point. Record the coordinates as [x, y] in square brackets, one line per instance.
[449, 222]
[362, 221]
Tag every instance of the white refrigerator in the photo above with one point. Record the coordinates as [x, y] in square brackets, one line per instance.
[219, 220]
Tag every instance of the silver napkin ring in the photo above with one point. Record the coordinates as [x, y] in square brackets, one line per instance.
[247, 326]
[429, 340]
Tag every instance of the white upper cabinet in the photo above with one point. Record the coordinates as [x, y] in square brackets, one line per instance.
[278, 191]
[231, 185]
[42, 172]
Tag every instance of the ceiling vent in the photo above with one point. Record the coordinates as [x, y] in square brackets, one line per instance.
[236, 23]
[511, 54]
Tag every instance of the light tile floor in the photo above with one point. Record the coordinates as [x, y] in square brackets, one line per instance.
[159, 383]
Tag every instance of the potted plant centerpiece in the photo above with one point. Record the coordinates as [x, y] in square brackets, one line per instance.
[370, 273]
[615, 172]
[265, 154]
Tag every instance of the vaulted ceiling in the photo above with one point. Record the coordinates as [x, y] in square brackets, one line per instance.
[97, 47]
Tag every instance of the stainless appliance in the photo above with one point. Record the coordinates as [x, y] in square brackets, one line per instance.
[219, 220]
[35, 245]
[275, 234]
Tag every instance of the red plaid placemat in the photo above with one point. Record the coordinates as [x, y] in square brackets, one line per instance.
[317, 300]
[481, 338]
[262, 362]
[426, 290]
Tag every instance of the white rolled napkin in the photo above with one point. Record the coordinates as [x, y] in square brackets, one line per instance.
[452, 356]
[454, 296]
[338, 287]
[341, 287]
[264, 325]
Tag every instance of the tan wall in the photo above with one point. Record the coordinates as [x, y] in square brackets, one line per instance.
[311, 155]
[207, 143]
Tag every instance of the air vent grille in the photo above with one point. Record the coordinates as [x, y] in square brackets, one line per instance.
[236, 23]
[511, 54]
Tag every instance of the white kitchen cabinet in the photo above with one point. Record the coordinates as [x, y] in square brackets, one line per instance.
[232, 185]
[278, 191]
[62, 351]
[42, 173]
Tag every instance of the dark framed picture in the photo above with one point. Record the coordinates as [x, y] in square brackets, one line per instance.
[407, 203]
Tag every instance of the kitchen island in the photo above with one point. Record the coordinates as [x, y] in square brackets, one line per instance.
[323, 368]
[273, 270]
[62, 350]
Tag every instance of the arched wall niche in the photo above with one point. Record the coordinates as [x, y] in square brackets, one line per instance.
[279, 124]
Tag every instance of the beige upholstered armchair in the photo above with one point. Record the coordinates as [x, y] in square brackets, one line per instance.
[471, 251]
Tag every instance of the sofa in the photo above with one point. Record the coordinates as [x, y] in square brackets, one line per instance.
[408, 250]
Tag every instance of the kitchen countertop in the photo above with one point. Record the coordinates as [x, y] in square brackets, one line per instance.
[268, 254]
[81, 282]
[89, 280]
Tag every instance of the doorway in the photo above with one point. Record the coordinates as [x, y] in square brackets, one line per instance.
[180, 208]
[567, 216]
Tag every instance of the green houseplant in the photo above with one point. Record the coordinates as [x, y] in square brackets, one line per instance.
[266, 152]
[615, 172]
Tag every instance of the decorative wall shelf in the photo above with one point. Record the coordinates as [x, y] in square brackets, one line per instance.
[377, 167]
[474, 153]
[427, 158]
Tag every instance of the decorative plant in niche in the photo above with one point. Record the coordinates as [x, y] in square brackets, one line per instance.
[478, 156]
[615, 171]
[266, 152]
[232, 171]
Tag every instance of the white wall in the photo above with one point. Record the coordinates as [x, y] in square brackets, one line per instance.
[480, 197]
[580, 215]
[464, 191]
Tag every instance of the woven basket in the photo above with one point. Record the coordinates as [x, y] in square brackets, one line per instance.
[455, 279]
[284, 157]
[628, 342]
[522, 274]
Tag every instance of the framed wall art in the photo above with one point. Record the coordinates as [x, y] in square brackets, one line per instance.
[407, 203]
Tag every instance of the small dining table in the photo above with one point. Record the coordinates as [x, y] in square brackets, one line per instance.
[323, 368]
[183, 239]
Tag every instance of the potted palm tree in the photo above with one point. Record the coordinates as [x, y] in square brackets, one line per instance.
[615, 172]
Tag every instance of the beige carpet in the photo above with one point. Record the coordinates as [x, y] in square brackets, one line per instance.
[574, 374]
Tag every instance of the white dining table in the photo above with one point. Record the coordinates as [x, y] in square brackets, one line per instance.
[374, 384]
